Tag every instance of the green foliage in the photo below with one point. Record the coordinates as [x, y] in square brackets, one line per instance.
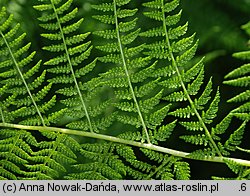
[240, 78]
[131, 108]
[25, 88]
[135, 92]
[70, 52]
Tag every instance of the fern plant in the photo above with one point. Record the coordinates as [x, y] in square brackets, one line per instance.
[149, 87]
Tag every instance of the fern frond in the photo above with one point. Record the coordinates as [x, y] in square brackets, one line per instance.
[221, 127]
[185, 81]
[27, 90]
[131, 78]
[235, 138]
[16, 79]
[21, 80]
[164, 132]
[131, 135]
[71, 51]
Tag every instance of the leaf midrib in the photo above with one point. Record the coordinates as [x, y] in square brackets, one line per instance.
[22, 77]
[183, 85]
[217, 159]
[71, 69]
[128, 75]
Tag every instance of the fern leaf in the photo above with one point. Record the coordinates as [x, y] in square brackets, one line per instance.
[221, 127]
[241, 71]
[134, 83]
[205, 97]
[164, 131]
[241, 97]
[192, 126]
[107, 34]
[67, 64]
[242, 82]
[133, 136]
[235, 138]
[210, 114]
[127, 26]
[233, 166]
[157, 4]
[22, 82]
[156, 118]
[184, 82]
[49, 162]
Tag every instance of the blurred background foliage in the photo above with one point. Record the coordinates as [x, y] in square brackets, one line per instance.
[217, 24]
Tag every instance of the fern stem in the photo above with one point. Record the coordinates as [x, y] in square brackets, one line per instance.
[183, 85]
[218, 159]
[71, 68]
[127, 74]
[1, 113]
[21, 76]
[165, 161]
